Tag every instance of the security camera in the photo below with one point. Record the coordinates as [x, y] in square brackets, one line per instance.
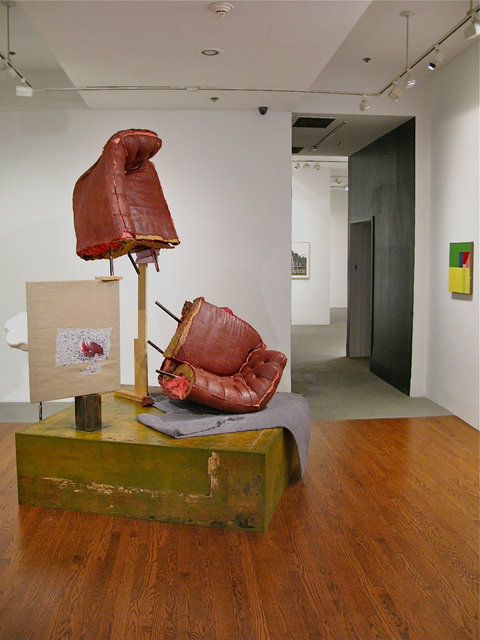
[262, 110]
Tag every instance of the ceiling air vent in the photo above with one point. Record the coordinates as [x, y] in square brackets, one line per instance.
[312, 123]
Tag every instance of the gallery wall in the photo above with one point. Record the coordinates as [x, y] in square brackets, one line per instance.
[453, 336]
[338, 247]
[319, 216]
[311, 223]
[382, 183]
[227, 180]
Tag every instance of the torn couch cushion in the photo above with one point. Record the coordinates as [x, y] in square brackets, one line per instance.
[118, 203]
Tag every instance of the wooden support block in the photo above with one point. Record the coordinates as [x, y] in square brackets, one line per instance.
[108, 278]
[140, 391]
[233, 480]
[88, 412]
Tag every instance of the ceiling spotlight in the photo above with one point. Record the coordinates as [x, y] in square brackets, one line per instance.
[317, 166]
[7, 66]
[410, 80]
[306, 165]
[472, 30]
[364, 104]
[395, 92]
[220, 9]
[409, 77]
[10, 71]
[24, 91]
[297, 165]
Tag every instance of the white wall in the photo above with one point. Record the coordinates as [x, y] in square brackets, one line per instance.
[227, 180]
[338, 247]
[320, 216]
[311, 223]
[453, 338]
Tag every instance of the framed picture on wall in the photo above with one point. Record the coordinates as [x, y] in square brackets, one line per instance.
[460, 267]
[300, 260]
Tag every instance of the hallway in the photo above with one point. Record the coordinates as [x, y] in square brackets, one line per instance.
[340, 388]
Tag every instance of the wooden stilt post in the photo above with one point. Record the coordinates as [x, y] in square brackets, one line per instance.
[140, 391]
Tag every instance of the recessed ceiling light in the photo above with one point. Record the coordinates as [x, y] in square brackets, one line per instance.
[220, 8]
[211, 52]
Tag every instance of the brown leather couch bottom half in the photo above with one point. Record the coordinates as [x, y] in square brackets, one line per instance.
[220, 361]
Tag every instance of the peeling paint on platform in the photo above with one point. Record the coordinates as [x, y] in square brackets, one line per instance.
[213, 465]
[112, 490]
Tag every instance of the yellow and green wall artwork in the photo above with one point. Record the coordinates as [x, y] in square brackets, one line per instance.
[461, 264]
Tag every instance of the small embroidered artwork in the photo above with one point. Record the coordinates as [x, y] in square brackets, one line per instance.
[73, 338]
[82, 346]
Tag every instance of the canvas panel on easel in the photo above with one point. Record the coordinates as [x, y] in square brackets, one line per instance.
[73, 338]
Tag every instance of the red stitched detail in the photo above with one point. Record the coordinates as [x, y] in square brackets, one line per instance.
[101, 248]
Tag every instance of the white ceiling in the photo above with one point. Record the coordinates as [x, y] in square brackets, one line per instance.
[267, 44]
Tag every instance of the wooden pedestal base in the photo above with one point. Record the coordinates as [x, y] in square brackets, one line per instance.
[233, 480]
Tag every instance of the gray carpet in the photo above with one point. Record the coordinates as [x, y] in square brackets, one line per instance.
[341, 388]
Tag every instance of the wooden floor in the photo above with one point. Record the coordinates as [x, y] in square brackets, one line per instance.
[379, 542]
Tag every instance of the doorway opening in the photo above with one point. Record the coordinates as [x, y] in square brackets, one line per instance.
[380, 232]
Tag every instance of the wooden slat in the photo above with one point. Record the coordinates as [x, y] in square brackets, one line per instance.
[379, 541]
[140, 347]
[140, 390]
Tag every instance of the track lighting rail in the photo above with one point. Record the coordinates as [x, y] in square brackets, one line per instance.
[474, 11]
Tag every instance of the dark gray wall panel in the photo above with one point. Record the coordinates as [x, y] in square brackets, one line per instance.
[382, 186]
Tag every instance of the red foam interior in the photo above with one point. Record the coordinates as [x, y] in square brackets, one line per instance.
[176, 386]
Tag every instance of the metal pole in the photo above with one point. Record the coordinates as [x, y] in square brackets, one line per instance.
[154, 346]
[165, 373]
[134, 263]
[167, 311]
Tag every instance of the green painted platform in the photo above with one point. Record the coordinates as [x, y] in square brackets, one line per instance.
[127, 469]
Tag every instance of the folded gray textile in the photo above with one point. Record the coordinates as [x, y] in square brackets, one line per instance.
[183, 419]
